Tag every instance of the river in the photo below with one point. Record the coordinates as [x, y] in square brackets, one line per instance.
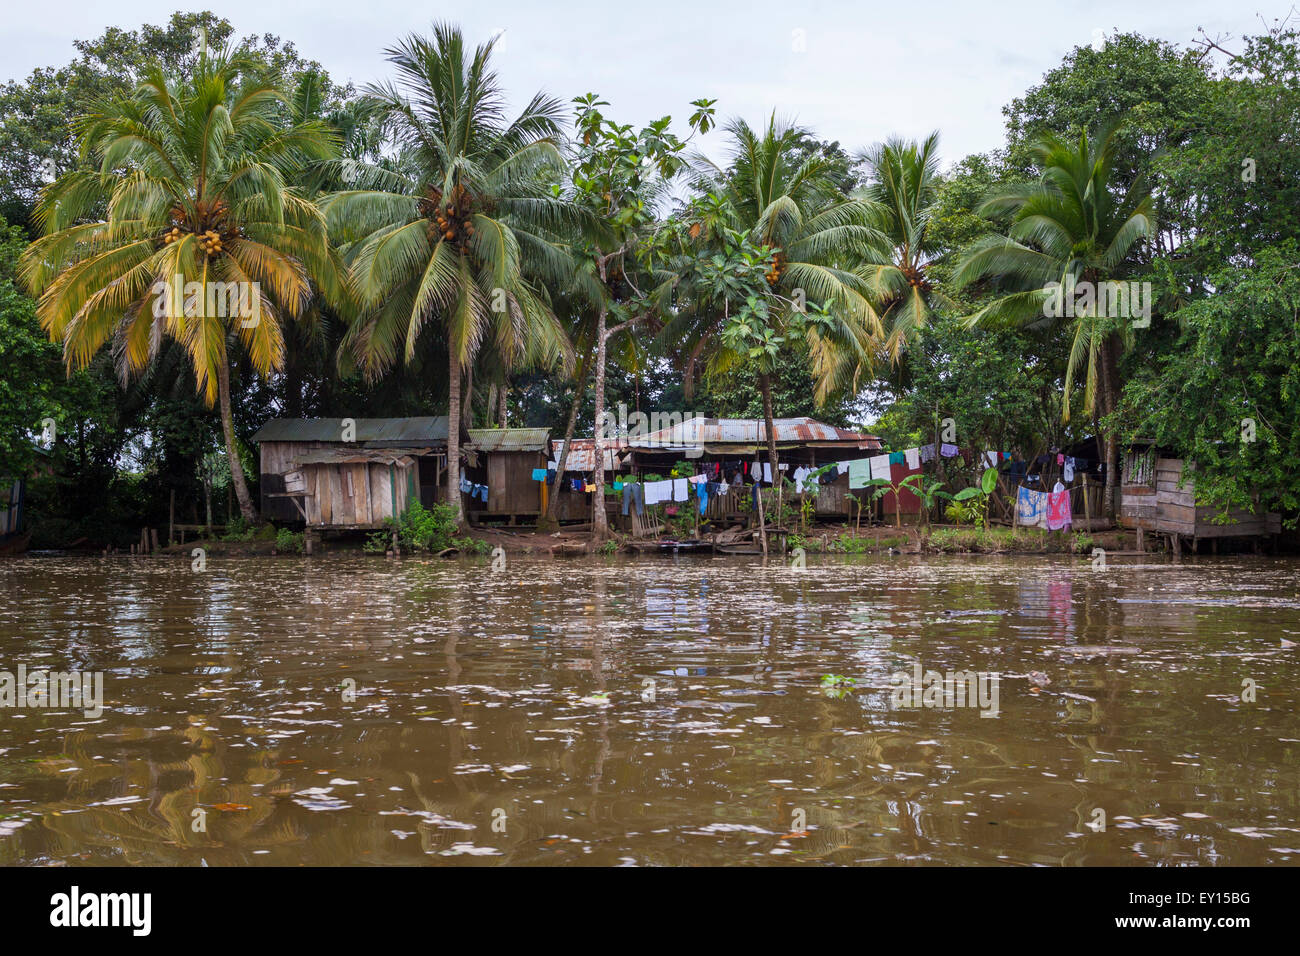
[361, 711]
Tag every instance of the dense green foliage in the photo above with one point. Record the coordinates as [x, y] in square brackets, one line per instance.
[499, 266]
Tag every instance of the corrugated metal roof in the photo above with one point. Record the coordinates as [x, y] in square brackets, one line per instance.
[509, 439]
[749, 431]
[432, 428]
[582, 456]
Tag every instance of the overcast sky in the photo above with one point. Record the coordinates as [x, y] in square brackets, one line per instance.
[855, 72]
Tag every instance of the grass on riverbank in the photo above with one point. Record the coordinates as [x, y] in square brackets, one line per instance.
[980, 541]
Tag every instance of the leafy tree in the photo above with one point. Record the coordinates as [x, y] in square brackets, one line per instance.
[619, 176]
[1075, 225]
[904, 184]
[192, 176]
[1226, 394]
[464, 231]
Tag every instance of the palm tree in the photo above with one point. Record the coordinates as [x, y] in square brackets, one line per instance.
[463, 231]
[189, 203]
[904, 185]
[1074, 225]
[776, 195]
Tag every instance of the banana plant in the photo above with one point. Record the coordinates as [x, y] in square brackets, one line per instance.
[979, 495]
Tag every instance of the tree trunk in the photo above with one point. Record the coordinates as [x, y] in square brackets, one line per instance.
[765, 386]
[599, 521]
[1109, 402]
[552, 503]
[467, 405]
[502, 392]
[453, 438]
[232, 452]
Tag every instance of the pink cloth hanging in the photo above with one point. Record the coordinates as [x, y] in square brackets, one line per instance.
[1058, 510]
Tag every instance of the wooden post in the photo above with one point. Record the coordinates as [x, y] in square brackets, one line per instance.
[153, 535]
[171, 520]
[306, 541]
[1141, 539]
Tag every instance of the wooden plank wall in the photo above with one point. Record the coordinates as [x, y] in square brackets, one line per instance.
[356, 494]
[1178, 513]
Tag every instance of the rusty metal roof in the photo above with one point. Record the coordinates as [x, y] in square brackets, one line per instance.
[582, 456]
[432, 428]
[508, 439]
[698, 432]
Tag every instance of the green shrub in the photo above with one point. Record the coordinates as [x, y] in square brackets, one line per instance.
[418, 529]
[288, 542]
[850, 544]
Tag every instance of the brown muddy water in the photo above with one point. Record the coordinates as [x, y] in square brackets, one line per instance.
[633, 712]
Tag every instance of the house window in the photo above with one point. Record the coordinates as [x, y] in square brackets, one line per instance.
[1140, 468]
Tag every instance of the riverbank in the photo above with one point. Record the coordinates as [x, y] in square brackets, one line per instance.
[829, 539]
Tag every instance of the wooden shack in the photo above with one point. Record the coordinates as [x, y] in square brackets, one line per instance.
[1158, 495]
[724, 441]
[576, 506]
[504, 459]
[350, 473]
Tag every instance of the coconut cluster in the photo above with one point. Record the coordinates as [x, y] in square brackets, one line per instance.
[775, 268]
[450, 216]
[210, 230]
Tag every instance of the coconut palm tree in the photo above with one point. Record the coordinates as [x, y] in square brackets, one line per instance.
[463, 232]
[188, 214]
[904, 186]
[1075, 225]
[779, 197]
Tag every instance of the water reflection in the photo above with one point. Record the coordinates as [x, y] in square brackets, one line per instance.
[651, 712]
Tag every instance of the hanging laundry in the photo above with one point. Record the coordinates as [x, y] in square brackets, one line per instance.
[618, 484]
[896, 458]
[991, 459]
[913, 456]
[588, 487]
[696, 479]
[657, 491]
[702, 492]
[860, 472]
[466, 486]
[634, 496]
[680, 492]
[1031, 508]
[767, 472]
[1068, 472]
[723, 488]
[927, 453]
[879, 468]
[1060, 459]
[539, 474]
[1058, 510]
[948, 451]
